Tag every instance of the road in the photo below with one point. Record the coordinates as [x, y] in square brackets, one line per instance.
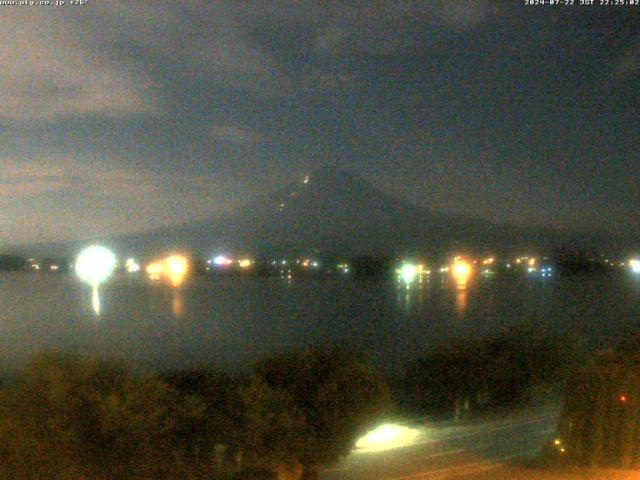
[487, 448]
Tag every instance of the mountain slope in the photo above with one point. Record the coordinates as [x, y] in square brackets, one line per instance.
[336, 210]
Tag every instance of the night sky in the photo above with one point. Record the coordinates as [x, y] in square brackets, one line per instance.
[123, 116]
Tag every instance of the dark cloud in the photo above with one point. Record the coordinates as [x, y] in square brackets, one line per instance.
[176, 110]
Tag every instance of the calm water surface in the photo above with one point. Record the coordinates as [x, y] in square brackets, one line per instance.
[231, 321]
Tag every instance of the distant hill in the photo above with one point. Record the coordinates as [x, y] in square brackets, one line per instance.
[335, 210]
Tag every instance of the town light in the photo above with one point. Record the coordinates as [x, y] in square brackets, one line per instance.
[222, 261]
[176, 269]
[244, 263]
[131, 265]
[343, 267]
[154, 270]
[461, 270]
[408, 272]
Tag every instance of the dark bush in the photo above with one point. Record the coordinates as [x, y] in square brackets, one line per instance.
[68, 416]
[497, 372]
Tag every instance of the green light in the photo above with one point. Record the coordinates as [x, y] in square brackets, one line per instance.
[408, 272]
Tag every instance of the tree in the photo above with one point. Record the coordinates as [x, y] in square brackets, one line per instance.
[492, 372]
[74, 417]
[600, 421]
[218, 434]
[273, 428]
[337, 395]
[12, 262]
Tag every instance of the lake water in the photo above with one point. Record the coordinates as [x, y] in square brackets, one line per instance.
[230, 321]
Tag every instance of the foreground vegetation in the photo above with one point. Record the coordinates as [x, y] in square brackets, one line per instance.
[600, 423]
[475, 375]
[72, 417]
[69, 417]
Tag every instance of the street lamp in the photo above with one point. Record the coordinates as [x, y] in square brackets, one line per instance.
[93, 266]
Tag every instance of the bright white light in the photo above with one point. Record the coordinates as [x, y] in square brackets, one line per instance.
[635, 265]
[386, 437]
[95, 264]
[408, 272]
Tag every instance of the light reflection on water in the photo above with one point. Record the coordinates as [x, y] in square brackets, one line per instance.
[177, 304]
[95, 299]
[232, 321]
[461, 299]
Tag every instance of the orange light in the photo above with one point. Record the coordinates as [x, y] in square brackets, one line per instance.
[623, 398]
[177, 267]
[244, 263]
[174, 268]
[155, 269]
[461, 270]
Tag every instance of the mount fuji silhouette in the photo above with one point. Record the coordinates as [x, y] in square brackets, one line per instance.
[338, 211]
[335, 210]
